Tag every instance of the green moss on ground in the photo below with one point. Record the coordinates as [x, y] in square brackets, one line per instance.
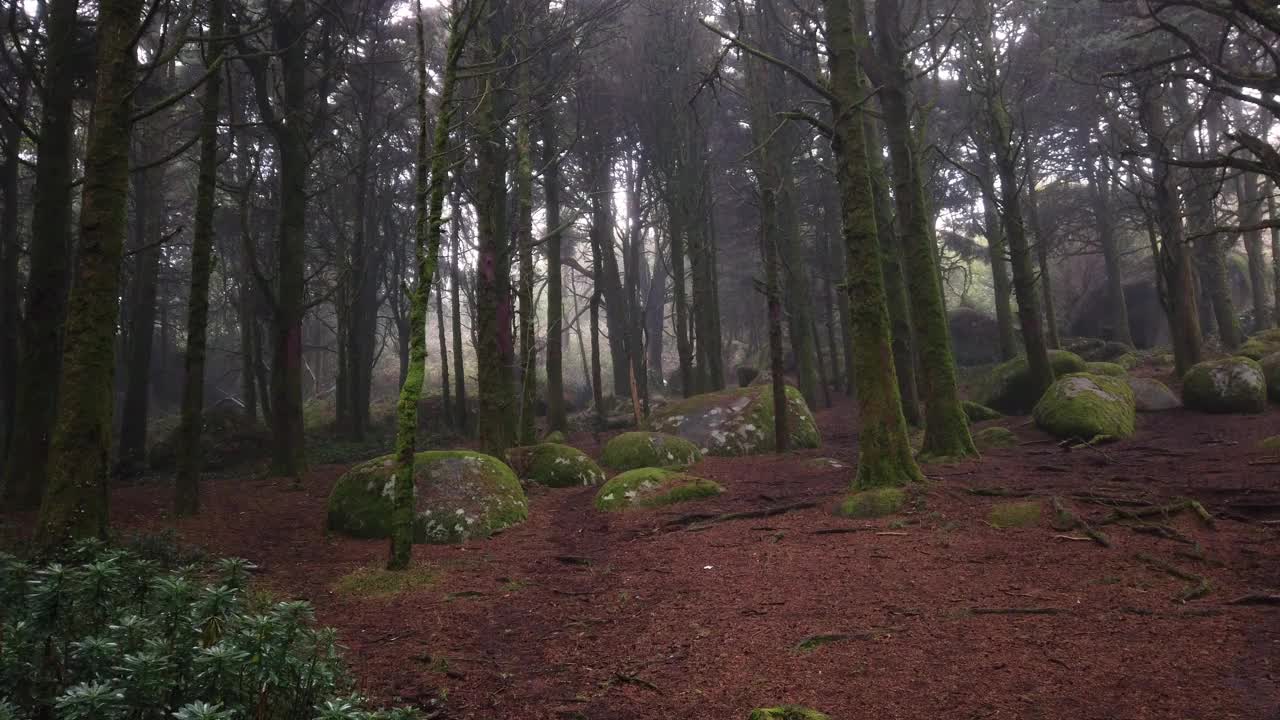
[1009, 389]
[1271, 371]
[554, 465]
[995, 437]
[1261, 344]
[555, 436]
[977, 412]
[652, 487]
[632, 450]
[1015, 515]
[371, 582]
[1270, 444]
[1230, 385]
[458, 495]
[1128, 361]
[1087, 406]
[787, 712]
[1105, 368]
[738, 421]
[874, 503]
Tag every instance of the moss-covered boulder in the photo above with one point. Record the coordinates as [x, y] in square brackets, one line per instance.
[1152, 395]
[555, 436]
[554, 465]
[1105, 368]
[1009, 388]
[873, 503]
[632, 450]
[738, 421]
[1260, 345]
[1087, 406]
[994, 437]
[652, 487]
[458, 495]
[787, 712]
[979, 413]
[1271, 371]
[1230, 385]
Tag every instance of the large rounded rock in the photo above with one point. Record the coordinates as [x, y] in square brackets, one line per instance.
[1229, 385]
[1087, 406]
[1009, 388]
[554, 465]
[652, 487]
[738, 421]
[632, 450]
[1152, 395]
[1271, 370]
[1261, 344]
[458, 495]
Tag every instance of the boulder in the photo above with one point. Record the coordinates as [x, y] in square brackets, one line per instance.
[1152, 395]
[1230, 385]
[555, 436]
[1271, 371]
[554, 465]
[975, 337]
[979, 413]
[1087, 406]
[229, 439]
[738, 421]
[652, 487]
[632, 450]
[994, 437]
[746, 375]
[1259, 345]
[1105, 368]
[458, 495]
[1008, 387]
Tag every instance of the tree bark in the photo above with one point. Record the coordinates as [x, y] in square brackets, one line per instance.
[187, 481]
[149, 213]
[75, 502]
[557, 417]
[1250, 203]
[1105, 220]
[997, 252]
[10, 249]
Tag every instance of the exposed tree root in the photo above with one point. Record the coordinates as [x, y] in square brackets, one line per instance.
[1256, 599]
[1199, 589]
[702, 522]
[1163, 531]
[1065, 520]
[998, 492]
[1121, 514]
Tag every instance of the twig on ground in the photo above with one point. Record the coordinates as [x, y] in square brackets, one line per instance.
[1016, 611]
[1256, 599]
[1067, 521]
[701, 522]
[1201, 587]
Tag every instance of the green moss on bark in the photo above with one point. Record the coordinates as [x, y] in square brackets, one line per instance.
[652, 487]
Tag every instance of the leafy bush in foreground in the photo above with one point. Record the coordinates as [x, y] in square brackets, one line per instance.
[110, 635]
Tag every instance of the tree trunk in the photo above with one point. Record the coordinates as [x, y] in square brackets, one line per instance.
[679, 298]
[1273, 213]
[557, 418]
[429, 204]
[459, 367]
[1250, 202]
[1105, 220]
[49, 269]
[997, 252]
[75, 502]
[445, 388]
[187, 481]
[10, 249]
[884, 457]
[149, 213]
[946, 432]
[528, 312]
[1042, 256]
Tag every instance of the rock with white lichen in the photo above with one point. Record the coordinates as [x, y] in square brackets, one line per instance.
[738, 421]
[1087, 406]
[458, 495]
[1152, 395]
[652, 487]
[631, 450]
[554, 465]
[1230, 385]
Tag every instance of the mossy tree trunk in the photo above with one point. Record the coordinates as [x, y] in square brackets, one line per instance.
[997, 254]
[1173, 257]
[1251, 217]
[187, 479]
[1042, 247]
[528, 311]
[894, 280]
[884, 452]
[1273, 213]
[679, 298]
[461, 421]
[429, 194]
[1104, 219]
[10, 248]
[495, 351]
[946, 429]
[75, 501]
[48, 268]
[557, 418]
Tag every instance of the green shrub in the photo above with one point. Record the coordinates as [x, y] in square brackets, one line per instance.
[107, 635]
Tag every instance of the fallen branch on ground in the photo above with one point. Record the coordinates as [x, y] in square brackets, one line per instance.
[1066, 521]
[1201, 587]
[1256, 599]
[701, 522]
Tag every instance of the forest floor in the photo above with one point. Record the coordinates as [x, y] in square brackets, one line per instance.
[934, 613]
